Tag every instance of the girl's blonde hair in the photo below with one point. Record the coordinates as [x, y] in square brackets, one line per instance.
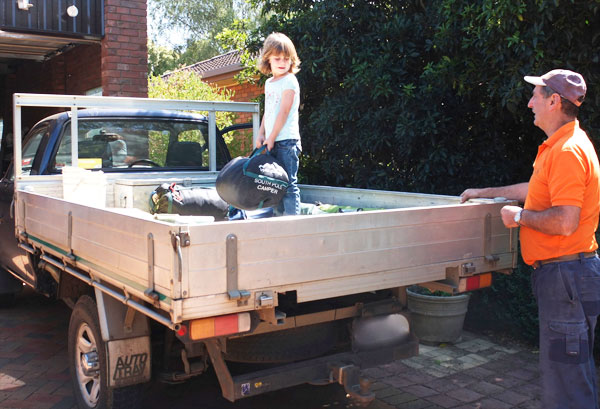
[278, 44]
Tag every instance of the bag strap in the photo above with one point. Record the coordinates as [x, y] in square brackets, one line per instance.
[257, 151]
[175, 192]
[246, 172]
[154, 205]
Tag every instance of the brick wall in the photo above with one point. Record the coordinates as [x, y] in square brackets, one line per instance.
[125, 49]
[119, 64]
[83, 66]
[245, 92]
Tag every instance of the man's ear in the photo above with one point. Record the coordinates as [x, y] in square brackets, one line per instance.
[555, 101]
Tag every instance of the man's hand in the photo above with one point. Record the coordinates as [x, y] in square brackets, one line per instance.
[508, 215]
[470, 194]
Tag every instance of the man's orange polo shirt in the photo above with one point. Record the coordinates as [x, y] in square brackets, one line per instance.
[565, 173]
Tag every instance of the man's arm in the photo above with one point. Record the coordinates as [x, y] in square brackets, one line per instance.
[556, 221]
[511, 192]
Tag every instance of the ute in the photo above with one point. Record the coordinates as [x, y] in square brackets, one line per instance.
[317, 297]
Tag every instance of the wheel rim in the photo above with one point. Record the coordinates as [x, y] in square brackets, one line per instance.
[88, 376]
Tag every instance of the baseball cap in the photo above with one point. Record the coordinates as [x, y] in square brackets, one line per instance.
[568, 84]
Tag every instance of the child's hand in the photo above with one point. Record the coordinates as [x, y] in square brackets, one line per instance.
[270, 144]
[260, 141]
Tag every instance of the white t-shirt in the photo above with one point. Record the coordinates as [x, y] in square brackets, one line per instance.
[273, 92]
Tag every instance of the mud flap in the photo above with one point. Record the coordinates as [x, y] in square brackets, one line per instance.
[127, 336]
[129, 361]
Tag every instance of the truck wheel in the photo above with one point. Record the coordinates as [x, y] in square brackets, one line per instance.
[88, 363]
[284, 346]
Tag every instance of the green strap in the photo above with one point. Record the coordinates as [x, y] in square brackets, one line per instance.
[246, 172]
[169, 196]
[155, 205]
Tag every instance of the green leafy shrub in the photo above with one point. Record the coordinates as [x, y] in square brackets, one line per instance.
[189, 85]
[429, 97]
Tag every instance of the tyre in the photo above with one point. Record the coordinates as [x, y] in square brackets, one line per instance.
[89, 366]
[284, 346]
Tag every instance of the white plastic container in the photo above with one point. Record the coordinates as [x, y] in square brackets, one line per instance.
[84, 186]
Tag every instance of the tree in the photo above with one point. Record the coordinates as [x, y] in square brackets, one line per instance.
[199, 22]
[189, 85]
[161, 59]
[428, 96]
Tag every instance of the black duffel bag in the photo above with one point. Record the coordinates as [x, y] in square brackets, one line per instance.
[254, 182]
[187, 201]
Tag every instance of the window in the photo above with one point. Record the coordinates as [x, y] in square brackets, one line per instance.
[30, 147]
[122, 143]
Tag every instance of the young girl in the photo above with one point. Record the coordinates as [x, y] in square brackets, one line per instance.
[279, 129]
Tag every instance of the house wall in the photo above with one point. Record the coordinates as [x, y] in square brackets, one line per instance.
[118, 64]
[73, 72]
[245, 92]
[125, 49]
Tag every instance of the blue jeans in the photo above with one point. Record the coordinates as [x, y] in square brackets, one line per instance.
[287, 152]
[568, 296]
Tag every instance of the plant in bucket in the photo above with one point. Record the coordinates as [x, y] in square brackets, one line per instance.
[436, 317]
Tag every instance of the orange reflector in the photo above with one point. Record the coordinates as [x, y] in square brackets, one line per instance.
[204, 328]
[219, 326]
[485, 280]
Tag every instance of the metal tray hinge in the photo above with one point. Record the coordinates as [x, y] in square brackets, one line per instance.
[150, 293]
[242, 296]
[487, 240]
[179, 240]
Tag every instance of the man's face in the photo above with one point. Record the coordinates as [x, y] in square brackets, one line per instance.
[539, 105]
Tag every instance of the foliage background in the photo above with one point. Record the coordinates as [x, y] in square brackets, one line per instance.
[184, 32]
[189, 85]
[428, 96]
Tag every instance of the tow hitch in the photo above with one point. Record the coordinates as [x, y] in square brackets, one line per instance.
[356, 387]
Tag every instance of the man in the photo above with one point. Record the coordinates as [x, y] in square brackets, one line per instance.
[558, 224]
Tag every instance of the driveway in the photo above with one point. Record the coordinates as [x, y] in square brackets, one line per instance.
[477, 372]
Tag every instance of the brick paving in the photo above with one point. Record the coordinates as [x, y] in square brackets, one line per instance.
[476, 372]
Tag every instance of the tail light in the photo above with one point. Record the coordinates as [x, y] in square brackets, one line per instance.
[219, 326]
